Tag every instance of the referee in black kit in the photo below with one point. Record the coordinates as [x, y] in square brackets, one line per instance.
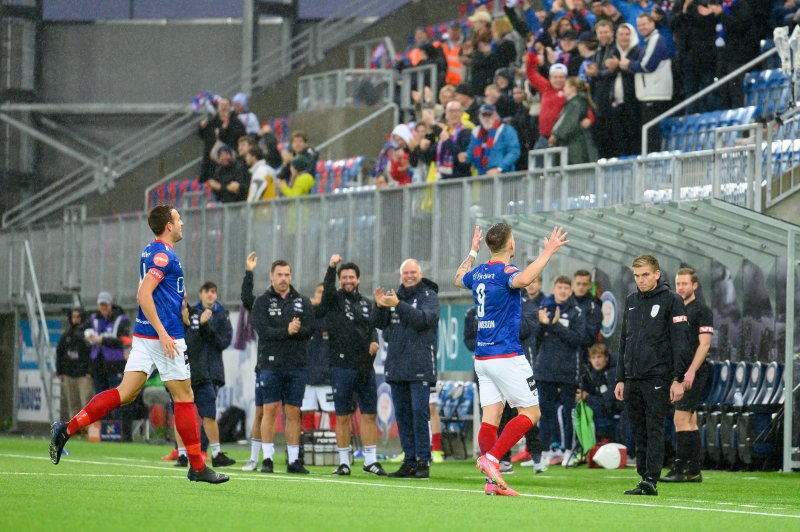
[686, 467]
[655, 357]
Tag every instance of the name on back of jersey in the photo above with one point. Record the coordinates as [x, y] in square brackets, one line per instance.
[486, 324]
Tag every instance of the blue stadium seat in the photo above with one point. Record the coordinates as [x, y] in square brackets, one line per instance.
[754, 382]
[739, 385]
[724, 383]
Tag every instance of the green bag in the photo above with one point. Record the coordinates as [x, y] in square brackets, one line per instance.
[584, 425]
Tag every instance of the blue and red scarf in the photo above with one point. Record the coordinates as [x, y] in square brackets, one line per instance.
[727, 5]
[486, 137]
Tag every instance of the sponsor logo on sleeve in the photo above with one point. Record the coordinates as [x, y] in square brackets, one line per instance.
[510, 269]
[158, 274]
[679, 319]
[161, 260]
[709, 330]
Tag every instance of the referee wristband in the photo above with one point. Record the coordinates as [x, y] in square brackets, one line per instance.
[473, 254]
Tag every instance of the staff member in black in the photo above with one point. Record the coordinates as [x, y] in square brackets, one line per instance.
[284, 321]
[655, 357]
[686, 467]
[353, 344]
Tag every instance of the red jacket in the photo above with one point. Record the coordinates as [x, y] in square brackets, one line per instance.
[552, 100]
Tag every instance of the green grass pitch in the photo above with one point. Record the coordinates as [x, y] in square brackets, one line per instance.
[113, 486]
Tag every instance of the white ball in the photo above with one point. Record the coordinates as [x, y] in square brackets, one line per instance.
[611, 456]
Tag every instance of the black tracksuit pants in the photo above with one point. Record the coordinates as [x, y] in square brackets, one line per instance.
[648, 404]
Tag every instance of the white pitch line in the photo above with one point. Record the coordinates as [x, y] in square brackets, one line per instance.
[280, 477]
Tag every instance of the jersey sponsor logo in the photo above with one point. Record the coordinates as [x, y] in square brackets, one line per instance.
[486, 324]
[654, 311]
[161, 260]
[709, 330]
[155, 272]
[679, 319]
[510, 269]
[480, 276]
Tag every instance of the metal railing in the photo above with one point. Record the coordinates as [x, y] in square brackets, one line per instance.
[379, 228]
[351, 87]
[417, 79]
[714, 86]
[306, 48]
[359, 55]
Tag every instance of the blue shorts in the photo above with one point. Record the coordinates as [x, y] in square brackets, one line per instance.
[205, 397]
[287, 386]
[351, 386]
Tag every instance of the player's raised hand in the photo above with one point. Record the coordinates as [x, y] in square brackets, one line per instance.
[476, 239]
[168, 345]
[335, 260]
[251, 261]
[378, 296]
[556, 239]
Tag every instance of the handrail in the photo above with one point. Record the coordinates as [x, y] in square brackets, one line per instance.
[302, 50]
[360, 123]
[714, 86]
[169, 177]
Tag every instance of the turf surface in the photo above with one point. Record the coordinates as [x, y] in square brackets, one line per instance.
[114, 486]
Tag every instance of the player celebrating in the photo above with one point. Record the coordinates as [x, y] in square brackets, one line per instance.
[158, 342]
[504, 374]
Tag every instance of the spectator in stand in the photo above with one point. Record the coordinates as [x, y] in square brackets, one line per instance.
[567, 130]
[598, 379]
[573, 11]
[454, 140]
[523, 124]
[269, 146]
[262, 177]
[466, 97]
[484, 63]
[248, 118]
[506, 43]
[735, 46]
[589, 303]
[423, 146]
[381, 181]
[451, 48]
[653, 79]
[109, 334]
[504, 80]
[551, 91]
[222, 129]
[301, 181]
[399, 166]
[503, 103]
[72, 363]
[624, 118]
[596, 8]
[631, 10]
[602, 82]
[208, 333]
[559, 336]
[568, 54]
[299, 146]
[694, 35]
[229, 183]
[613, 14]
[494, 148]
[447, 94]
[587, 48]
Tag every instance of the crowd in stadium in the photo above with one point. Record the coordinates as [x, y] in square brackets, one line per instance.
[582, 75]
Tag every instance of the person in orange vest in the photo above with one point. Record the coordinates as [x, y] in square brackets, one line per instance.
[451, 48]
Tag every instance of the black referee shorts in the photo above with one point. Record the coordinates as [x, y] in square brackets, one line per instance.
[692, 398]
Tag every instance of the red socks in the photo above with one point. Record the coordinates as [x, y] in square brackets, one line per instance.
[332, 420]
[487, 437]
[100, 405]
[307, 421]
[436, 442]
[186, 425]
[512, 433]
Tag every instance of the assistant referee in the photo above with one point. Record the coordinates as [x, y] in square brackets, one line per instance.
[655, 357]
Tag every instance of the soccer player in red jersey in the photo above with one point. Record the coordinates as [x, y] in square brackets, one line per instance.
[158, 342]
[504, 373]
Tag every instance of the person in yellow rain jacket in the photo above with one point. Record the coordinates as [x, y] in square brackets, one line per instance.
[301, 181]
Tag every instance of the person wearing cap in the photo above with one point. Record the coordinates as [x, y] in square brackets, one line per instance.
[109, 333]
[494, 148]
[552, 94]
[466, 97]
[568, 54]
[301, 181]
[451, 48]
[299, 146]
[229, 183]
[248, 118]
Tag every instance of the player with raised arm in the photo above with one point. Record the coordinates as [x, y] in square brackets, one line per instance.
[504, 373]
[158, 342]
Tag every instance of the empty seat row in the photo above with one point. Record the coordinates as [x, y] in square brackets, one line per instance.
[184, 194]
[768, 90]
[280, 127]
[744, 384]
[697, 132]
[335, 175]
